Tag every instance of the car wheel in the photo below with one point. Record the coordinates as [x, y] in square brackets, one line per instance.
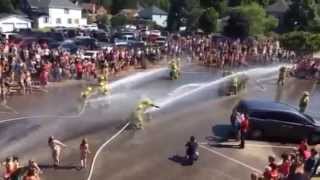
[314, 139]
[256, 134]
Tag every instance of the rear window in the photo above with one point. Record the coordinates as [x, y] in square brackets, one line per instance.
[261, 115]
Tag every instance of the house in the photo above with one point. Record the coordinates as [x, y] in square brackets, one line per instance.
[154, 14]
[53, 13]
[10, 22]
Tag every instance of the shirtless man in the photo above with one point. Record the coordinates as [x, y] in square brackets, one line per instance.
[55, 146]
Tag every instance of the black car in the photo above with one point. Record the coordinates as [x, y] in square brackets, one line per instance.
[86, 43]
[277, 120]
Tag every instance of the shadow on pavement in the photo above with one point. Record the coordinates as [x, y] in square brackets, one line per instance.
[68, 167]
[181, 160]
[225, 145]
[221, 133]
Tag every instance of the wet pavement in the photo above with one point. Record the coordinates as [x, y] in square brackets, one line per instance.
[189, 106]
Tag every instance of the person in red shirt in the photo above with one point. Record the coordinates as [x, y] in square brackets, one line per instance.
[79, 69]
[304, 149]
[284, 167]
[244, 126]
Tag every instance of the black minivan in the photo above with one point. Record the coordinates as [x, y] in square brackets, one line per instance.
[277, 120]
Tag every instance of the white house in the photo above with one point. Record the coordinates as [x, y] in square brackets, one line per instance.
[54, 13]
[154, 14]
[10, 22]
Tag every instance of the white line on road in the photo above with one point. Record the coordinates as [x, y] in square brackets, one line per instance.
[101, 148]
[231, 159]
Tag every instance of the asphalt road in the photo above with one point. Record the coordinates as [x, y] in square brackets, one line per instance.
[189, 106]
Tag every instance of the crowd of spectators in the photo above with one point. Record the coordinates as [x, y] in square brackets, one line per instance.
[222, 52]
[21, 67]
[300, 164]
[13, 170]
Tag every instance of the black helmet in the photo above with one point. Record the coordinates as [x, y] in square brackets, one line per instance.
[192, 138]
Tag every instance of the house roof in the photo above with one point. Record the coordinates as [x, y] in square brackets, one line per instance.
[52, 4]
[280, 6]
[87, 6]
[149, 12]
[20, 16]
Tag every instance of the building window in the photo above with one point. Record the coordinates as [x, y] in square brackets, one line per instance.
[66, 11]
[46, 20]
[58, 21]
[69, 21]
[76, 21]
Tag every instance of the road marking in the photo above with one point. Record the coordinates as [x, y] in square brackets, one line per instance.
[101, 148]
[230, 159]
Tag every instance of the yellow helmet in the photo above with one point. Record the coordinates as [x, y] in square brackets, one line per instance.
[146, 101]
[89, 88]
[102, 84]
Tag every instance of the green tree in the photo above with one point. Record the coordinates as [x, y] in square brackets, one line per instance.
[183, 12]
[237, 26]
[259, 21]
[300, 15]
[174, 15]
[6, 6]
[208, 20]
[192, 19]
[221, 6]
[119, 20]
[164, 4]
[240, 2]
[301, 42]
[104, 19]
[118, 5]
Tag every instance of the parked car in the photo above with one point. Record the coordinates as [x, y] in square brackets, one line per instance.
[90, 54]
[101, 36]
[58, 36]
[277, 120]
[86, 42]
[69, 46]
[161, 41]
[89, 27]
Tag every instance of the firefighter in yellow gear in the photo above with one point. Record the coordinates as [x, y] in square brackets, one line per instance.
[86, 93]
[282, 76]
[234, 85]
[104, 88]
[304, 102]
[137, 118]
[101, 79]
[174, 66]
[83, 97]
